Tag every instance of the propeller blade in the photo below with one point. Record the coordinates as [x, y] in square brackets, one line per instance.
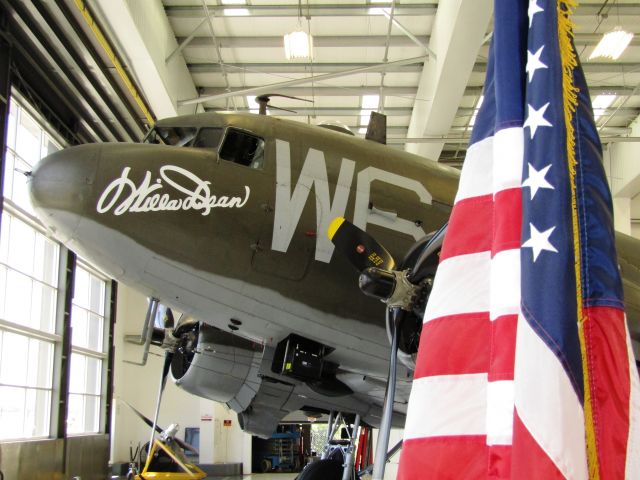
[144, 418]
[362, 250]
[159, 429]
[168, 357]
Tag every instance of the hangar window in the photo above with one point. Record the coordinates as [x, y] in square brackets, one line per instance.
[208, 138]
[34, 270]
[243, 148]
[88, 350]
[29, 266]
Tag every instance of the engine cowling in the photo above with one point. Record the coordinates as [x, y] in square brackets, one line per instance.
[217, 365]
[422, 260]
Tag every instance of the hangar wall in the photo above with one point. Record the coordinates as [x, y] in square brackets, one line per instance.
[51, 459]
[138, 385]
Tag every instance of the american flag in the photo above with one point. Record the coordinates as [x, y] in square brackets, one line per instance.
[525, 368]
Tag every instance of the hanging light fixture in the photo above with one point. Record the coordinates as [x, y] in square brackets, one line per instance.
[298, 45]
[612, 44]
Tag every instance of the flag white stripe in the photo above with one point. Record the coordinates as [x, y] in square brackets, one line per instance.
[505, 284]
[633, 443]
[476, 176]
[460, 286]
[547, 404]
[508, 156]
[447, 405]
[500, 412]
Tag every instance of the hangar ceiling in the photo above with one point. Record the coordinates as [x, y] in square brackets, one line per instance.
[421, 62]
[240, 47]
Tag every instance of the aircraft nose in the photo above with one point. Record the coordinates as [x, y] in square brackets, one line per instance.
[61, 185]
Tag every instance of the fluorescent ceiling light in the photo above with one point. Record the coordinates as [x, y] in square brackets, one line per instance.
[298, 45]
[236, 12]
[472, 121]
[233, 2]
[612, 44]
[601, 103]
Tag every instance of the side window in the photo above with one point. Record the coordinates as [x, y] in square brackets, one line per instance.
[243, 148]
[176, 136]
[208, 138]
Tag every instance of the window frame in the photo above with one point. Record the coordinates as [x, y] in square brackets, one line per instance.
[229, 128]
[103, 354]
[60, 336]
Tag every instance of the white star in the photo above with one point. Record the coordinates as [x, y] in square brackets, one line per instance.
[533, 9]
[534, 63]
[536, 119]
[536, 180]
[539, 241]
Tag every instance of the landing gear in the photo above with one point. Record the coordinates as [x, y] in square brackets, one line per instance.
[337, 459]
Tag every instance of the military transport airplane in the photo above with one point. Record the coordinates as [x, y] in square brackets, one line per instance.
[224, 216]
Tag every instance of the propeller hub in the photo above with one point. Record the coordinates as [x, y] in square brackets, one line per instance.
[391, 287]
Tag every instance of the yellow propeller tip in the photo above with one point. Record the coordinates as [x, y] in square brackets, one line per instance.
[336, 223]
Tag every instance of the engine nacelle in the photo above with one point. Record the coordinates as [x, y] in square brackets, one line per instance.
[422, 260]
[217, 365]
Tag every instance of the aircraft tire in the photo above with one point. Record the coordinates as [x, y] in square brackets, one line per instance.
[265, 465]
[322, 470]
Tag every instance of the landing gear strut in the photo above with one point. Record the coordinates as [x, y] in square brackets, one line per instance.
[337, 460]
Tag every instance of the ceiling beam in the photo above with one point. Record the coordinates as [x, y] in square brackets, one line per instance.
[459, 31]
[292, 10]
[408, 92]
[588, 67]
[378, 67]
[393, 111]
[589, 9]
[326, 111]
[328, 41]
[591, 39]
[318, 41]
[140, 27]
[298, 67]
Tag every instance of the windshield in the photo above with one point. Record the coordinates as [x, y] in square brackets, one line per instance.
[176, 136]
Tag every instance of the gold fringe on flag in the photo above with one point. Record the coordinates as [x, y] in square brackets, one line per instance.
[570, 99]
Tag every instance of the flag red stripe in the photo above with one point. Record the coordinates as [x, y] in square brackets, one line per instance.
[507, 220]
[528, 460]
[443, 457]
[605, 338]
[499, 464]
[457, 344]
[471, 218]
[467, 232]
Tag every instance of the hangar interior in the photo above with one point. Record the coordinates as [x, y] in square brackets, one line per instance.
[85, 71]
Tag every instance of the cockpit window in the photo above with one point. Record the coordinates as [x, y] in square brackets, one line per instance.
[243, 148]
[176, 136]
[208, 138]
